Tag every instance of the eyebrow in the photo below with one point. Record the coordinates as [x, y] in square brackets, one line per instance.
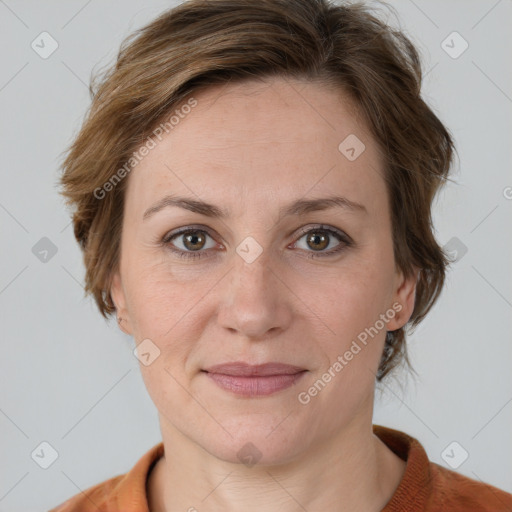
[299, 207]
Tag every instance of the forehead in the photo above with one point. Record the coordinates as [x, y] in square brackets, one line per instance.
[255, 141]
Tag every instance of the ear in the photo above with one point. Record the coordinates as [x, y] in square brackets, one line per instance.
[404, 295]
[118, 296]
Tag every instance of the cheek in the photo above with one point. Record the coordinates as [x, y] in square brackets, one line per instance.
[167, 303]
[352, 309]
[154, 297]
[353, 348]
[353, 296]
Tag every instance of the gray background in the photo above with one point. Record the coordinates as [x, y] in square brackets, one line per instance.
[70, 379]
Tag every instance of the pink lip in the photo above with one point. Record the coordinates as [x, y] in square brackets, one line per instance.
[240, 368]
[254, 380]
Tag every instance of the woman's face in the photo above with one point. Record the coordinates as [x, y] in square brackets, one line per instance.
[314, 287]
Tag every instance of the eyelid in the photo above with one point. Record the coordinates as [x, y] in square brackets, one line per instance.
[324, 227]
[180, 231]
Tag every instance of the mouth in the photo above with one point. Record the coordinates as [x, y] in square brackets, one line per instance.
[254, 380]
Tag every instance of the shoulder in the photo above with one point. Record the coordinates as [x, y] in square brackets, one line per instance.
[453, 491]
[98, 497]
[429, 487]
[122, 493]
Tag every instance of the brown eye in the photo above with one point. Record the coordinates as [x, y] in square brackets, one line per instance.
[194, 240]
[189, 242]
[317, 240]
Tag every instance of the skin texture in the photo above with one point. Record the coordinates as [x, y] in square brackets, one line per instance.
[251, 148]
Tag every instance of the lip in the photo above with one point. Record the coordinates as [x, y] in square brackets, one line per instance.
[254, 380]
[242, 369]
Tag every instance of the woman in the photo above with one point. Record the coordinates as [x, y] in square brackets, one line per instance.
[252, 193]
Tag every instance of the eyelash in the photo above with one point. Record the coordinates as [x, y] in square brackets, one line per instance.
[342, 237]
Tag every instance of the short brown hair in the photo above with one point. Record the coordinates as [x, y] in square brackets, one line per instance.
[200, 43]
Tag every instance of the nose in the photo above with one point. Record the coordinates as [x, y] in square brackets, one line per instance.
[255, 300]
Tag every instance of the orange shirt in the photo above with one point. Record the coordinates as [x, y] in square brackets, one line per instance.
[425, 486]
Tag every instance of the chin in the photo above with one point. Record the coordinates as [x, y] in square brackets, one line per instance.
[257, 451]
[257, 442]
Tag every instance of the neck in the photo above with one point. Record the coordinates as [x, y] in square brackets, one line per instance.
[351, 471]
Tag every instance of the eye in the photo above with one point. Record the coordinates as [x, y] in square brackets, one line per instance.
[189, 242]
[192, 242]
[320, 238]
